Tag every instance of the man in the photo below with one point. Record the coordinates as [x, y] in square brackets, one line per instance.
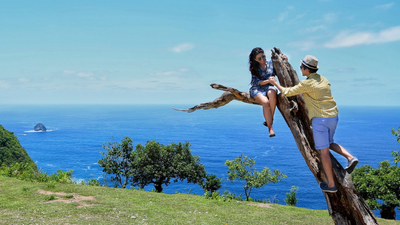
[323, 113]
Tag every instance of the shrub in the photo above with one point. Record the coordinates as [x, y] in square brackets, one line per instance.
[291, 198]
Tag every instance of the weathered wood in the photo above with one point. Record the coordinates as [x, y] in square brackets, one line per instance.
[229, 95]
[346, 206]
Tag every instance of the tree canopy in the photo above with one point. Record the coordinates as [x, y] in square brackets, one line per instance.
[160, 164]
[153, 163]
[242, 169]
[118, 161]
[381, 186]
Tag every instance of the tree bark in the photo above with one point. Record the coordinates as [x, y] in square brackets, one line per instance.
[346, 206]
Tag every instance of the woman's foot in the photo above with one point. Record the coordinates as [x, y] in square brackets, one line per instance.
[271, 132]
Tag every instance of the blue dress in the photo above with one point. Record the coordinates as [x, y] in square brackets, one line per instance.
[256, 88]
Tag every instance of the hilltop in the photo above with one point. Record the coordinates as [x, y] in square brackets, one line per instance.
[23, 202]
[11, 150]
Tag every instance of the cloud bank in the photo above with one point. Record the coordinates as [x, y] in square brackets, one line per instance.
[348, 39]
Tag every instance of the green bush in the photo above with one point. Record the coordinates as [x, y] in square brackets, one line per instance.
[291, 198]
[28, 172]
[211, 183]
[226, 197]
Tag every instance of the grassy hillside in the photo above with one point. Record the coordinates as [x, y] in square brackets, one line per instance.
[11, 150]
[23, 202]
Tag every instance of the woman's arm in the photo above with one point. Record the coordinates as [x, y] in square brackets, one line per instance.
[255, 81]
[264, 82]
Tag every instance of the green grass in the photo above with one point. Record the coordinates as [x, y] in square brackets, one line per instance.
[24, 202]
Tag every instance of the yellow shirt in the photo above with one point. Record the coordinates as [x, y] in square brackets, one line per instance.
[316, 91]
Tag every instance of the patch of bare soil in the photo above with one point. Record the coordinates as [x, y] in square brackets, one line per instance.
[261, 205]
[62, 197]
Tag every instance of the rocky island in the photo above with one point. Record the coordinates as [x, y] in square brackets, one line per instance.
[40, 127]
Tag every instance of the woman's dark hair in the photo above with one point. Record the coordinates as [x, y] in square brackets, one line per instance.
[253, 64]
[310, 69]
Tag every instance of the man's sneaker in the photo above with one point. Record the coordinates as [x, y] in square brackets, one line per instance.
[324, 187]
[352, 164]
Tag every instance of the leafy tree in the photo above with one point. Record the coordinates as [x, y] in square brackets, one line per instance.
[381, 186]
[153, 163]
[242, 169]
[118, 161]
[211, 183]
[291, 198]
[160, 164]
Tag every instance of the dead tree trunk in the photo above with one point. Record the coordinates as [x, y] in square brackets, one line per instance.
[346, 206]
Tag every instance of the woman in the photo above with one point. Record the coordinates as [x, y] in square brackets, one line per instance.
[323, 113]
[261, 88]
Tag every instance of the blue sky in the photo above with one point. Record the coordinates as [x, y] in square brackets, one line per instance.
[168, 52]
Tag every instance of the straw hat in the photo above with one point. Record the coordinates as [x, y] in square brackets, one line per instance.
[310, 61]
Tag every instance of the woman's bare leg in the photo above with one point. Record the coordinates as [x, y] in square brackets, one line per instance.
[265, 103]
[272, 96]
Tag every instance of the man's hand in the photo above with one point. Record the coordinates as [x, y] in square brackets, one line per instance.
[272, 80]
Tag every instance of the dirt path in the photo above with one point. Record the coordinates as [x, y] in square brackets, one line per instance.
[69, 198]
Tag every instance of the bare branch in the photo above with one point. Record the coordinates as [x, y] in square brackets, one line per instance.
[229, 95]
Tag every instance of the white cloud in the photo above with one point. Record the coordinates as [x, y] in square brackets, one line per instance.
[288, 15]
[81, 74]
[313, 29]
[385, 6]
[183, 47]
[348, 39]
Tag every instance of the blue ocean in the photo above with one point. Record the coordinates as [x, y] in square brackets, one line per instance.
[76, 134]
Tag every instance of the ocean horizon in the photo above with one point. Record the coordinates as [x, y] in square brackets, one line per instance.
[76, 134]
